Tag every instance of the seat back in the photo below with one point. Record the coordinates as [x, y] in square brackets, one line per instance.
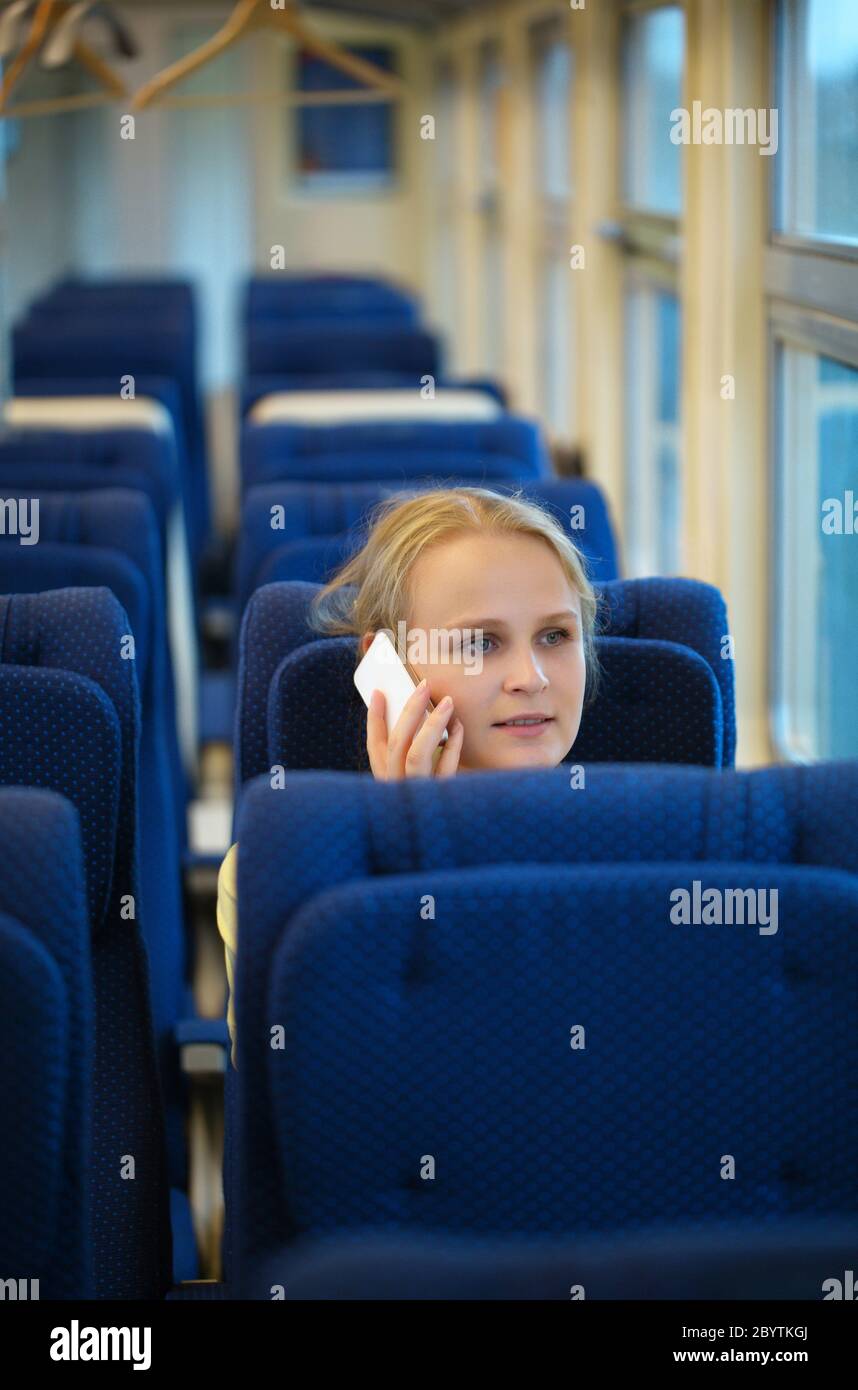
[792, 1259]
[61, 731]
[302, 351]
[657, 702]
[85, 632]
[501, 916]
[47, 1028]
[92, 350]
[307, 530]
[284, 298]
[110, 538]
[683, 613]
[399, 452]
[35, 462]
[60, 457]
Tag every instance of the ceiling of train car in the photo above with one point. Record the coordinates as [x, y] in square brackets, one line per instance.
[409, 11]
[421, 12]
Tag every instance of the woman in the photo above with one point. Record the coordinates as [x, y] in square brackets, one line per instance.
[498, 616]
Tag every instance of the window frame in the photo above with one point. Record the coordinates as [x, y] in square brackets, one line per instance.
[811, 304]
[321, 186]
[789, 254]
[650, 251]
[552, 219]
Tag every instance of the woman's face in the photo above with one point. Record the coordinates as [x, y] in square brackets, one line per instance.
[527, 660]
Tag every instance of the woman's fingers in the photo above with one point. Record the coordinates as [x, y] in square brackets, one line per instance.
[448, 762]
[376, 735]
[402, 734]
[411, 749]
[418, 761]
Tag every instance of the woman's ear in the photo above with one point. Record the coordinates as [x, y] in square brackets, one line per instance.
[366, 642]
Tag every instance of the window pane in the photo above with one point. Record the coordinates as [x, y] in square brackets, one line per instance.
[492, 291]
[653, 49]
[653, 484]
[446, 104]
[817, 588]
[344, 145]
[554, 343]
[552, 100]
[491, 80]
[817, 81]
[490, 83]
[445, 277]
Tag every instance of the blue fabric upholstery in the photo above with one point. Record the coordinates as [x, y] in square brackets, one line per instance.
[683, 611]
[313, 560]
[78, 460]
[51, 737]
[319, 525]
[300, 352]
[116, 291]
[399, 452]
[678, 611]
[287, 297]
[658, 703]
[159, 388]
[790, 1260]
[85, 540]
[38, 709]
[47, 1027]
[61, 731]
[409, 1033]
[92, 349]
[82, 630]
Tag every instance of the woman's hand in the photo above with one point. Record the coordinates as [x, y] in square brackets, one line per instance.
[411, 748]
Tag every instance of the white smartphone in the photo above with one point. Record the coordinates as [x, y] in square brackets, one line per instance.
[383, 669]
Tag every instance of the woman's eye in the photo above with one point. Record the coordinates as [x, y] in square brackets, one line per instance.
[557, 636]
[477, 645]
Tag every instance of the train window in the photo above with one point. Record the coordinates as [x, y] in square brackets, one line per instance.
[445, 268]
[817, 569]
[810, 278]
[653, 60]
[348, 146]
[552, 93]
[817, 98]
[490, 85]
[551, 60]
[653, 491]
[653, 45]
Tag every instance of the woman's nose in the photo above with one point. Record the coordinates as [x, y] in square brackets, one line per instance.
[525, 673]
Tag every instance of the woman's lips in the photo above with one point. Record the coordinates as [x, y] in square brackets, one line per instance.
[530, 730]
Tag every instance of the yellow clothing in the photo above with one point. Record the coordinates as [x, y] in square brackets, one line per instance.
[227, 925]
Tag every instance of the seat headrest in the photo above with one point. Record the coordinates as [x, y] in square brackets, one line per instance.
[306, 530]
[84, 632]
[448, 452]
[57, 460]
[52, 566]
[657, 702]
[93, 345]
[61, 732]
[43, 887]
[305, 348]
[680, 611]
[773, 815]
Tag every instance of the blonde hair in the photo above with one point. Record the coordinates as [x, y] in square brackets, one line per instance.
[371, 591]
